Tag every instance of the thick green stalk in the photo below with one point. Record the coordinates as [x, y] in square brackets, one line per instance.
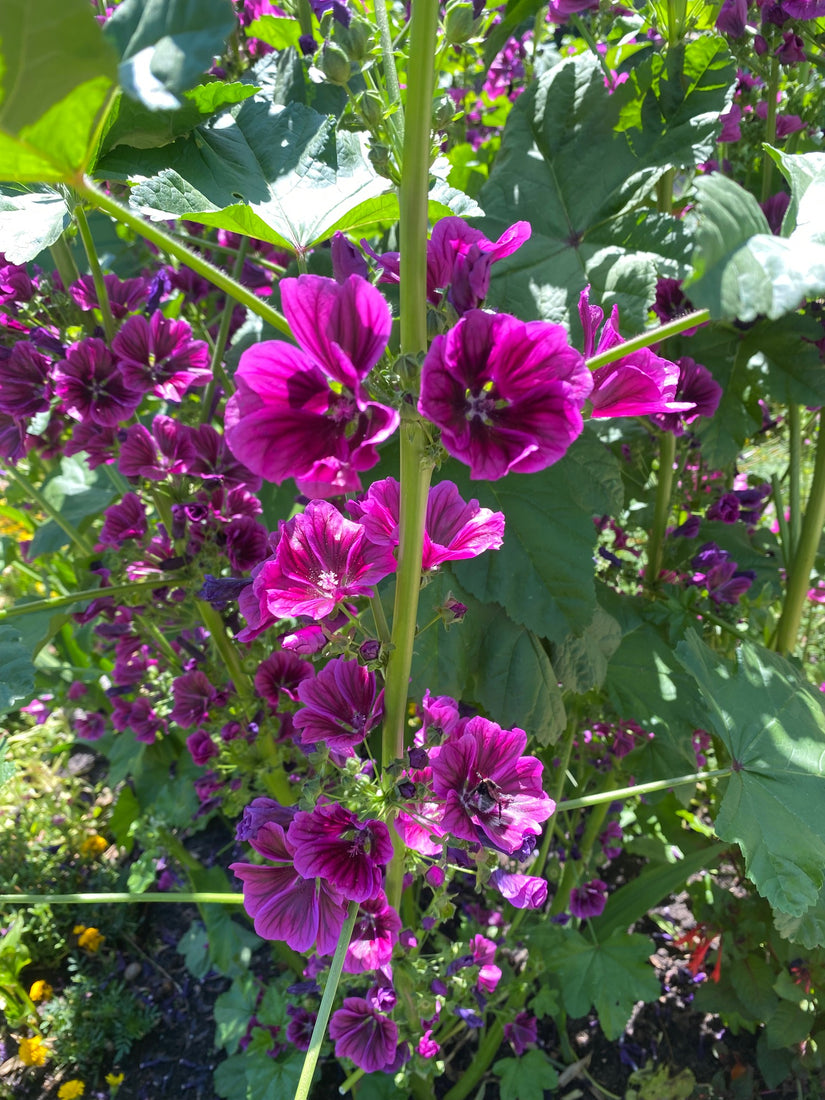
[479, 1065]
[227, 649]
[642, 788]
[645, 339]
[664, 486]
[319, 1031]
[64, 262]
[97, 273]
[805, 553]
[795, 479]
[34, 495]
[188, 897]
[54, 602]
[164, 241]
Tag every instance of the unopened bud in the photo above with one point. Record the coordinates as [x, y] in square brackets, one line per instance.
[355, 40]
[370, 650]
[452, 611]
[443, 112]
[335, 64]
[380, 160]
[371, 108]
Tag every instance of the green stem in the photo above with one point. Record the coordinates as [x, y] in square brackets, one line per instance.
[583, 31]
[784, 530]
[304, 13]
[645, 339]
[479, 1065]
[97, 273]
[187, 897]
[795, 480]
[319, 1031]
[664, 486]
[64, 262]
[382, 627]
[168, 244]
[231, 657]
[642, 788]
[216, 366]
[81, 542]
[770, 128]
[54, 602]
[395, 122]
[805, 554]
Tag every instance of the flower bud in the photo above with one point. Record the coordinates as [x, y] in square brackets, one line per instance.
[371, 108]
[355, 40]
[335, 64]
[380, 160]
[459, 24]
[443, 112]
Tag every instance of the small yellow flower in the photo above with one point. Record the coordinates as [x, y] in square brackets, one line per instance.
[114, 1080]
[41, 991]
[71, 1090]
[33, 1052]
[93, 846]
[90, 938]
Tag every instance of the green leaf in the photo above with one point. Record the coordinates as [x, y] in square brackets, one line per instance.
[16, 670]
[126, 811]
[805, 172]
[31, 219]
[630, 902]
[194, 946]
[580, 661]
[525, 1078]
[273, 1078]
[487, 659]
[788, 1026]
[78, 493]
[278, 32]
[229, 1078]
[233, 1011]
[277, 173]
[55, 73]
[565, 168]
[543, 574]
[133, 124]
[740, 269]
[773, 726]
[545, 1002]
[165, 45]
[611, 976]
[808, 929]
[739, 414]
[793, 366]
[230, 944]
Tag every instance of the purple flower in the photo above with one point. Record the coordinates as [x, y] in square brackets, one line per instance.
[697, 387]
[490, 790]
[589, 899]
[201, 746]
[15, 284]
[638, 383]
[791, 51]
[126, 520]
[373, 937]
[12, 438]
[124, 296]
[340, 706]
[285, 906]
[522, 891]
[672, 303]
[720, 575]
[459, 259]
[159, 356]
[453, 530]
[91, 387]
[258, 813]
[193, 694]
[561, 10]
[25, 386]
[300, 1027]
[804, 9]
[346, 259]
[303, 412]
[281, 674]
[775, 209]
[331, 843]
[521, 1032]
[247, 543]
[367, 1037]
[731, 130]
[726, 508]
[166, 450]
[506, 394]
[732, 18]
[321, 559]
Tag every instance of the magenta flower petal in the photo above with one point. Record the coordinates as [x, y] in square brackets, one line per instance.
[340, 706]
[506, 394]
[91, 387]
[281, 674]
[373, 937]
[343, 326]
[25, 387]
[321, 559]
[160, 356]
[332, 844]
[367, 1037]
[522, 891]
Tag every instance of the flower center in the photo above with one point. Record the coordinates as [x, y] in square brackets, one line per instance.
[480, 405]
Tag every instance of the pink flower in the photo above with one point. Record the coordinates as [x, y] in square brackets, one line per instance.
[281, 674]
[375, 933]
[284, 905]
[364, 1035]
[507, 395]
[91, 387]
[340, 705]
[331, 843]
[589, 899]
[522, 891]
[160, 356]
[321, 559]
[453, 530]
